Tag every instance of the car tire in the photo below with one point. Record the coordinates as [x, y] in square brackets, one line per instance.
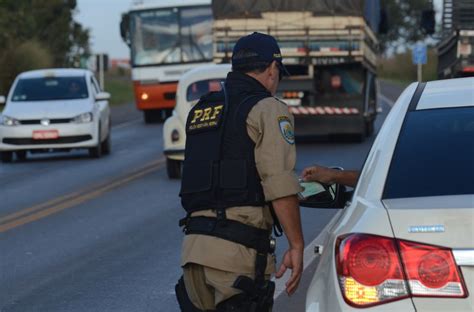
[20, 155]
[96, 151]
[107, 145]
[106, 148]
[6, 157]
[369, 127]
[173, 168]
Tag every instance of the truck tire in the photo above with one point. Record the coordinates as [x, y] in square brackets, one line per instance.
[20, 155]
[369, 128]
[173, 168]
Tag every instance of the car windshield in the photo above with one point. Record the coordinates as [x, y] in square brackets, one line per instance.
[199, 88]
[173, 35]
[434, 155]
[50, 88]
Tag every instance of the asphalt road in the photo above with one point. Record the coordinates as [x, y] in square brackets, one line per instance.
[80, 234]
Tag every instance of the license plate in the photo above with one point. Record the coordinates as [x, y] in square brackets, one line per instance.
[45, 134]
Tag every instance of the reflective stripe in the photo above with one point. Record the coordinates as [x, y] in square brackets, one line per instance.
[304, 110]
[328, 110]
[312, 110]
[322, 110]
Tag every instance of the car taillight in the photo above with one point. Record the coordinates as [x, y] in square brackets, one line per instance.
[370, 270]
[431, 271]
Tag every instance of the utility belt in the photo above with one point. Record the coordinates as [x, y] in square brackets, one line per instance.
[234, 231]
[259, 291]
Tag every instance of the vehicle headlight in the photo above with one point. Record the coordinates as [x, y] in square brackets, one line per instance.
[8, 121]
[83, 118]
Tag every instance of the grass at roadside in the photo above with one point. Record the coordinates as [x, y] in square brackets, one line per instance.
[400, 69]
[118, 83]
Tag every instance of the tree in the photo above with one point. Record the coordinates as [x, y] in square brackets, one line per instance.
[47, 25]
[404, 22]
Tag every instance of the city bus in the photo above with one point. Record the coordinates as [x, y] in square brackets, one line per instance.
[166, 39]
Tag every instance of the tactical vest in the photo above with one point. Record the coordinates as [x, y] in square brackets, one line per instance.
[219, 169]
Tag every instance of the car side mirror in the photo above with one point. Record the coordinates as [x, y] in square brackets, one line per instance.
[102, 96]
[2, 99]
[331, 196]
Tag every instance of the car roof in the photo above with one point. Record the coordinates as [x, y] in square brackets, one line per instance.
[447, 93]
[203, 72]
[54, 72]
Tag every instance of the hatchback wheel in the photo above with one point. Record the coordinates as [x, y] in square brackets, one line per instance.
[6, 157]
[96, 151]
[107, 145]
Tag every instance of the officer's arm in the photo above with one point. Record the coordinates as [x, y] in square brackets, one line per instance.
[271, 127]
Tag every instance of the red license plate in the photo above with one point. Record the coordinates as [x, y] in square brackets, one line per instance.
[45, 134]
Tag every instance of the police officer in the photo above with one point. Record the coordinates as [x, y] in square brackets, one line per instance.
[238, 178]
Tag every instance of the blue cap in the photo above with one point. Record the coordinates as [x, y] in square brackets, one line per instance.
[265, 47]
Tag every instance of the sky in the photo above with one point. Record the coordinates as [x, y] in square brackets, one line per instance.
[102, 17]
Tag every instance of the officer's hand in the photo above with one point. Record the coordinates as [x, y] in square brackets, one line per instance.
[292, 259]
[319, 174]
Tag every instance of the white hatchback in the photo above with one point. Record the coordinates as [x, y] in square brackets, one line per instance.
[405, 241]
[192, 85]
[54, 109]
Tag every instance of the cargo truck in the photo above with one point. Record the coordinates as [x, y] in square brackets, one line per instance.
[456, 48]
[329, 47]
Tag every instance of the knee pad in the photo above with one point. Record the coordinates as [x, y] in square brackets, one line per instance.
[184, 302]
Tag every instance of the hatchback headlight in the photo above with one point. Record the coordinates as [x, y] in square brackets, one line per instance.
[8, 121]
[83, 118]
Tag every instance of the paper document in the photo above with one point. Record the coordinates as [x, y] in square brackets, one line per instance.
[310, 189]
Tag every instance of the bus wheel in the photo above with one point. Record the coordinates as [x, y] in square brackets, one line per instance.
[152, 115]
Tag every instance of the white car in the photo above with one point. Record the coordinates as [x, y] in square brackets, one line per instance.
[405, 241]
[191, 87]
[54, 109]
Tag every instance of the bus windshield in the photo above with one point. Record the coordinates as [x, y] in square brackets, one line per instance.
[171, 35]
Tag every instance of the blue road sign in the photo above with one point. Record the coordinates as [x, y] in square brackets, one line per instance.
[419, 54]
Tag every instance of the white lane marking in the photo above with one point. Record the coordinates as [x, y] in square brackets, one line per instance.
[308, 258]
[127, 124]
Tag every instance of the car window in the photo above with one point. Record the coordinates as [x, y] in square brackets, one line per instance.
[199, 88]
[50, 88]
[434, 155]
